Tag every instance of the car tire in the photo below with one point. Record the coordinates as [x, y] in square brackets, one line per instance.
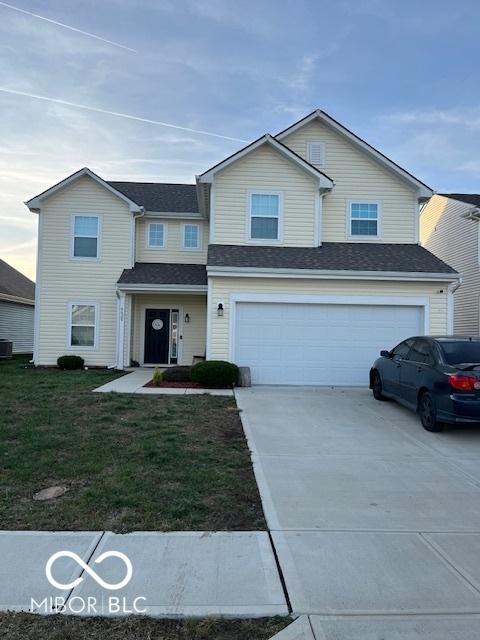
[428, 413]
[377, 388]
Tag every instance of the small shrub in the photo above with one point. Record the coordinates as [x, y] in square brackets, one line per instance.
[178, 374]
[70, 362]
[215, 373]
[157, 376]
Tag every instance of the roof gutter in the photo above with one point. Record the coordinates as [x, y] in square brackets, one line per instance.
[257, 272]
[162, 288]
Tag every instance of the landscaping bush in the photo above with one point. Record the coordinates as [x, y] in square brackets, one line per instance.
[157, 376]
[215, 373]
[178, 374]
[70, 362]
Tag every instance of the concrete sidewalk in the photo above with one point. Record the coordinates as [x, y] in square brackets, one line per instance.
[174, 574]
[134, 382]
[375, 522]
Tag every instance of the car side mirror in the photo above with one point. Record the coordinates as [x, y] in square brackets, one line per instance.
[385, 354]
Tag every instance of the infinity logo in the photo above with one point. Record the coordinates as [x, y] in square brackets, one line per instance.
[89, 570]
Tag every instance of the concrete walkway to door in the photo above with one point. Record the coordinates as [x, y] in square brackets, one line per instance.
[376, 522]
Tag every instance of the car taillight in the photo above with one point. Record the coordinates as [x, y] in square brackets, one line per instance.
[464, 383]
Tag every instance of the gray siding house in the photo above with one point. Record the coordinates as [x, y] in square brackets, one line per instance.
[449, 228]
[17, 304]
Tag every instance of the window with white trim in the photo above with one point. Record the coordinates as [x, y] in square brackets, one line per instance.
[83, 318]
[364, 219]
[156, 235]
[264, 216]
[191, 236]
[86, 236]
[316, 153]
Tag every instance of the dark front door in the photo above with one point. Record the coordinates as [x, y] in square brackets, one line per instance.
[157, 336]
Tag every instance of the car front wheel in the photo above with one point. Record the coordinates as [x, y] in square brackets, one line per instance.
[377, 388]
[428, 413]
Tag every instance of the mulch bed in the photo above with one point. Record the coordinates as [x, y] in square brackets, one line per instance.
[179, 385]
[174, 385]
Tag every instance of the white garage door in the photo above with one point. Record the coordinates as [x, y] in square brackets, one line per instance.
[323, 344]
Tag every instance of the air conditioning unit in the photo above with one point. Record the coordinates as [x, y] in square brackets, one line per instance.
[5, 349]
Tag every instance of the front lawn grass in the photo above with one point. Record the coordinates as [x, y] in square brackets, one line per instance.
[25, 626]
[130, 462]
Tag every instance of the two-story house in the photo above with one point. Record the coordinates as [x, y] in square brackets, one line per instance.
[449, 225]
[297, 256]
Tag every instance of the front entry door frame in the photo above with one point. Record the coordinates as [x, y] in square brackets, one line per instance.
[160, 307]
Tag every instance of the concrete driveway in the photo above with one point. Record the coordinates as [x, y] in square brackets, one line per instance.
[376, 522]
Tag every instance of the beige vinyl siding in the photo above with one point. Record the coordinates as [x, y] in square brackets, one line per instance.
[356, 175]
[16, 324]
[455, 240]
[65, 280]
[222, 288]
[194, 332]
[173, 251]
[264, 169]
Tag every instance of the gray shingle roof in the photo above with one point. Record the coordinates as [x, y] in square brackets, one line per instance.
[160, 197]
[165, 273]
[335, 256]
[469, 198]
[14, 283]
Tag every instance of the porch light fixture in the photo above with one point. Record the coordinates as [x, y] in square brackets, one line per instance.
[220, 310]
[186, 318]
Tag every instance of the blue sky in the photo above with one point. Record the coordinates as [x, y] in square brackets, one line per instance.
[404, 75]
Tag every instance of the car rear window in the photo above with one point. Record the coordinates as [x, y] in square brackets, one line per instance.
[461, 352]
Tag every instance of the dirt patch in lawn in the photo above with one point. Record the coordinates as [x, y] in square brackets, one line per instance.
[24, 626]
[130, 462]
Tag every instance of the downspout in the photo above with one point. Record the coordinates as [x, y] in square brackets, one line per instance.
[452, 287]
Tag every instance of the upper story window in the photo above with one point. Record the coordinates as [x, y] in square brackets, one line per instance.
[156, 235]
[364, 219]
[265, 216]
[86, 234]
[191, 236]
[83, 325]
[316, 153]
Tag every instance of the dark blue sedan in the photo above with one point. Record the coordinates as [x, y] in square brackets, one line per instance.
[439, 378]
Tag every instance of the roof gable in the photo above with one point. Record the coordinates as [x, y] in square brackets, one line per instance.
[424, 190]
[324, 181]
[15, 284]
[34, 204]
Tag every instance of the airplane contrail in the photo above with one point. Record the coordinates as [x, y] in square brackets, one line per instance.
[117, 113]
[67, 26]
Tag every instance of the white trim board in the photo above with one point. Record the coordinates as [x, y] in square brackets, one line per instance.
[163, 288]
[308, 274]
[407, 301]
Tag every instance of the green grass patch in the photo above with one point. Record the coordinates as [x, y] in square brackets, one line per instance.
[130, 462]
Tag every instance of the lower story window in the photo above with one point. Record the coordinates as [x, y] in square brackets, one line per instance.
[83, 319]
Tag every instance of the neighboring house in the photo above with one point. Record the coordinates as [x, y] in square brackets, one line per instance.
[298, 256]
[450, 229]
[17, 300]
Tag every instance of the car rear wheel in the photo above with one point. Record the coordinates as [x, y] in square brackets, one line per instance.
[428, 413]
[377, 387]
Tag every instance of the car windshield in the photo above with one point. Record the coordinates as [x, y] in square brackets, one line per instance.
[461, 352]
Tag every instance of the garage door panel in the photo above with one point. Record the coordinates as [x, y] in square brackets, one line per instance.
[318, 343]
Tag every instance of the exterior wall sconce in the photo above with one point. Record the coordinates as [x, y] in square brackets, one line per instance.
[220, 310]
[186, 318]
